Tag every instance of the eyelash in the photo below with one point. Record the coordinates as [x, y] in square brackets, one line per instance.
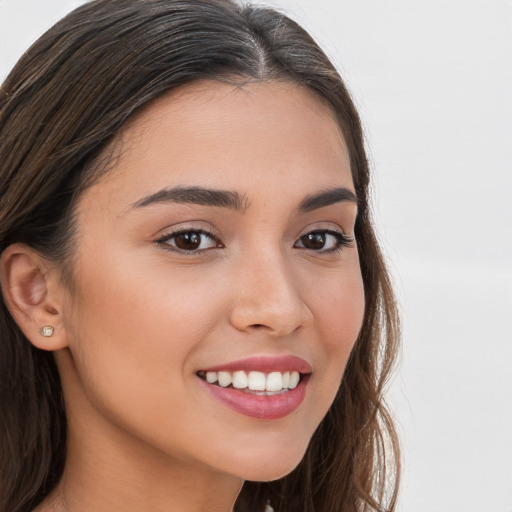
[166, 238]
[342, 240]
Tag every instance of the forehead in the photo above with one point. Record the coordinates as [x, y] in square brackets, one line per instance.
[238, 136]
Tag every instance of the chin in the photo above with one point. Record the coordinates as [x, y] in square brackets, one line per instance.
[269, 473]
[271, 467]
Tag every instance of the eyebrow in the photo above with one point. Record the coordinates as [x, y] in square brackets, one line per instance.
[327, 198]
[235, 201]
[197, 195]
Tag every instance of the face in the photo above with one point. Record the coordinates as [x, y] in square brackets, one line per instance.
[220, 247]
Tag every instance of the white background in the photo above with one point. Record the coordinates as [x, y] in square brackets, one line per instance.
[433, 82]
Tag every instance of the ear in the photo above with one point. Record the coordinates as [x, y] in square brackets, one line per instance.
[33, 294]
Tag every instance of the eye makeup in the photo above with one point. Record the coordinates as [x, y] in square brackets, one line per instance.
[193, 241]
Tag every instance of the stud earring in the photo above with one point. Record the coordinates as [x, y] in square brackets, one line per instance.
[46, 331]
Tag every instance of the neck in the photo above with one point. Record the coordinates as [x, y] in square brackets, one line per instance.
[104, 481]
[109, 469]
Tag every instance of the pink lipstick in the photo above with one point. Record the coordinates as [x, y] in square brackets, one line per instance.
[260, 387]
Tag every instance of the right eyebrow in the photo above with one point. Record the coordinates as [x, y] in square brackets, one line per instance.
[196, 195]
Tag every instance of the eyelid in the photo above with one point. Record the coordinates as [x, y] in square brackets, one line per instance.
[176, 229]
[173, 234]
[326, 227]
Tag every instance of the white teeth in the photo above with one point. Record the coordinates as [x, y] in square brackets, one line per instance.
[294, 380]
[240, 380]
[274, 381]
[224, 379]
[256, 381]
[211, 377]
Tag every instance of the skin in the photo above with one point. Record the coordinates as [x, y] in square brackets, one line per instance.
[145, 317]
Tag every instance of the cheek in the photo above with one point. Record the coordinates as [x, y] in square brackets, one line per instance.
[339, 307]
[134, 326]
[116, 335]
[339, 312]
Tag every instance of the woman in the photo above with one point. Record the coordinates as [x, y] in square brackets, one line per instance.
[196, 315]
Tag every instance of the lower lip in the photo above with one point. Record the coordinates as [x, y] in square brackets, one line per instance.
[265, 407]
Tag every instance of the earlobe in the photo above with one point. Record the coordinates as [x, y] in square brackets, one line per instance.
[26, 290]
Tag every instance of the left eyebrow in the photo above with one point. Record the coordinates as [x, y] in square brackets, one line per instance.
[327, 198]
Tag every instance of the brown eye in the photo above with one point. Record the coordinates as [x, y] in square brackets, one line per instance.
[315, 240]
[190, 241]
[324, 241]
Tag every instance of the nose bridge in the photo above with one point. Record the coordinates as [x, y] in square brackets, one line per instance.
[268, 294]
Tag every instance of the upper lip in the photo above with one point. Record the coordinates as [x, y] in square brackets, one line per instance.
[264, 364]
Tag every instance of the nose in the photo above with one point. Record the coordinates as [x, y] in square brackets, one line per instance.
[268, 298]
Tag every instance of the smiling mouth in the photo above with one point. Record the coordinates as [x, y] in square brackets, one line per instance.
[254, 382]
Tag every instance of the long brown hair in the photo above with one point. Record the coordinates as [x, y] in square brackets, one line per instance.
[59, 109]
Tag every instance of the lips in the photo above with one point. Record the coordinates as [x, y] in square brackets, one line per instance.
[259, 387]
[264, 364]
